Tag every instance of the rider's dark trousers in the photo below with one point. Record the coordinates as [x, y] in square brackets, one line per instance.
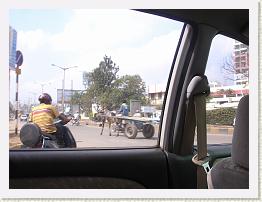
[59, 135]
[62, 136]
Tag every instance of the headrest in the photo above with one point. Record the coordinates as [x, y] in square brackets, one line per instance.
[240, 142]
[198, 85]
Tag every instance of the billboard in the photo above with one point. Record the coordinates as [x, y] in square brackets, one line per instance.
[12, 48]
[67, 95]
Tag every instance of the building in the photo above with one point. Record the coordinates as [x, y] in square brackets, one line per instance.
[221, 96]
[12, 48]
[156, 94]
[241, 63]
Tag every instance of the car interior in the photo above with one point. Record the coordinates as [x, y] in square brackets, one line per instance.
[168, 165]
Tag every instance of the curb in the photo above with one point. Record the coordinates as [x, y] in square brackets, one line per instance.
[218, 129]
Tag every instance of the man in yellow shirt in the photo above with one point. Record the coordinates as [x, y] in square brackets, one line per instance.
[44, 114]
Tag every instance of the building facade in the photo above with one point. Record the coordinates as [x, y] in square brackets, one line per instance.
[241, 63]
[156, 94]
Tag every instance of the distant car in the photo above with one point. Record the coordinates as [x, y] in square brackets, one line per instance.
[23, 117]
[156, 117]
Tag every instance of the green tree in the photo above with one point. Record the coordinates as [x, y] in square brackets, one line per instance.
[103, 77]
[229, 92]
[101, 83]
[208, 98]
[132, 87]
[108, 90]
[221, 91]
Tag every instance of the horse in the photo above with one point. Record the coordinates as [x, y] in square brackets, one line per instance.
[109, 117]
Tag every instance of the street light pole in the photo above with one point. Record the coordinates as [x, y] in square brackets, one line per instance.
[63, 93]
[63, 86]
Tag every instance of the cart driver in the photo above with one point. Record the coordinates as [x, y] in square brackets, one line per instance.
[124, 109]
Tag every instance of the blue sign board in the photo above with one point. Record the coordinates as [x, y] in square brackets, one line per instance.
[12, 48]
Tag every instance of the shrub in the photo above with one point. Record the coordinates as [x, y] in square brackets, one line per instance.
[222, 116]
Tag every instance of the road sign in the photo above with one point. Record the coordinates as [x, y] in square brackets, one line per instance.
[19, 58]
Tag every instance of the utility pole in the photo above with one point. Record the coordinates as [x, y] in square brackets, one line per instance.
[63, 86]
[18, 71]
[19, 62]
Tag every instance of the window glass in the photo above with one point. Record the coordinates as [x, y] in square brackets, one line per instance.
[228, 83]
[101, 68]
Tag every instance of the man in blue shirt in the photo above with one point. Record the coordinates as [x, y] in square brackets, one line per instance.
[124, 109]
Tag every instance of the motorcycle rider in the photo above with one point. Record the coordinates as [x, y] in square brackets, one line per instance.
[44, 114]
[76, 118]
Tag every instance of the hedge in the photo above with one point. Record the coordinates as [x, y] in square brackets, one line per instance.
[222, 116]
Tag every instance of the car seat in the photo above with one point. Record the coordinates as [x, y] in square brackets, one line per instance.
[233, 172]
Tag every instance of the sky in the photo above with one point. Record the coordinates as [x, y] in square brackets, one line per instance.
[138, 43]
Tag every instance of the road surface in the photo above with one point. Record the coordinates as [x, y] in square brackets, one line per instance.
[88, 136]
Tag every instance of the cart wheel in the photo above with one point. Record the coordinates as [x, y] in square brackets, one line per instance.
[131, 131]
[148, 130]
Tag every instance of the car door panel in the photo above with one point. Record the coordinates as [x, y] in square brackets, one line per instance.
[147, 167]
[182, 171]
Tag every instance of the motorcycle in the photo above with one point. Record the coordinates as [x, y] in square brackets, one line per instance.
[32, 137]
[75, 122]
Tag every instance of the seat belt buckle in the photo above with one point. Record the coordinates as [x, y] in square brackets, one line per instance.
[206, 166]
[202, 162]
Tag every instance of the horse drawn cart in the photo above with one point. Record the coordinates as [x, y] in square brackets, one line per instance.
[130, 126]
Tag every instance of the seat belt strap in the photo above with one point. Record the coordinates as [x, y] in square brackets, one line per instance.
[197, 91]
[189, 127]
[201, 159]
[200, 113]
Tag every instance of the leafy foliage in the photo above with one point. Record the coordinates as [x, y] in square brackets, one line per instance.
[107, 89]
[131, 88]
[223, 116]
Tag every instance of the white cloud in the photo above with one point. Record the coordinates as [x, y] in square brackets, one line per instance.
[134, 43]
[124, 35]
[152, 61]
[91, 30]
[31, 40]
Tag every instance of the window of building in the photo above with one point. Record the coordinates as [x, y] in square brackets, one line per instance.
[243, 64]
[243, 46]
[243, 52]
[237, 53]
[243, 58]
[237, 59]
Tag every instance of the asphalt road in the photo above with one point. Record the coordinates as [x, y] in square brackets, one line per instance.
[88, 136]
